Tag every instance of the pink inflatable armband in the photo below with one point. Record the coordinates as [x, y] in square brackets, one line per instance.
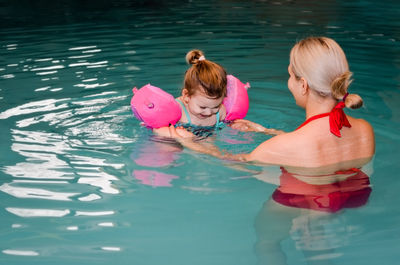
[237, 100]
[155, 107]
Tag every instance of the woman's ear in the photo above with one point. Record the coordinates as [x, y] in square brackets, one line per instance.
[185, 96]
[304, 86]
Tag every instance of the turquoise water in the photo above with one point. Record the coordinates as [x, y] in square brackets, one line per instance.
[83, 183]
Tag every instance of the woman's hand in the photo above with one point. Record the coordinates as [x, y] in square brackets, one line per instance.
[246, 126]
[189, 142]
[205, 148]
[182, 132]
[249, 126]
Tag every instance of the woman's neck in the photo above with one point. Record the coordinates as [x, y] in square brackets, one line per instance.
[317, 105]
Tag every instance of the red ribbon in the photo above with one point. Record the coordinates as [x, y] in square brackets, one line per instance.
[337, 119]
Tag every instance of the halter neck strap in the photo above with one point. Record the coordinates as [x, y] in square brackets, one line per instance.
[315, 117]
[337, 119]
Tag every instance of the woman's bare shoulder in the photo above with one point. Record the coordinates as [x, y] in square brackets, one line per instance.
[365, 135]
[281, 149]
[362, 126]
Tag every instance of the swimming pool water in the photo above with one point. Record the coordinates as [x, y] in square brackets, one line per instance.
[83, 183]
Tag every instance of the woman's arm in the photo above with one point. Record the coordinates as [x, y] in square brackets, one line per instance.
[278, 150]
[165, 132]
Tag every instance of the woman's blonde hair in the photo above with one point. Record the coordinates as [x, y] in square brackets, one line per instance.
[322, 62]
[205, 73]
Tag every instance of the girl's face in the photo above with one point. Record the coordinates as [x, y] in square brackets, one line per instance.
[202, 106]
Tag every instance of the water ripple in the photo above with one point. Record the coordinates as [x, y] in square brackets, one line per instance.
[23, 212]
[32, 193]
[45, 105]
[18, 252]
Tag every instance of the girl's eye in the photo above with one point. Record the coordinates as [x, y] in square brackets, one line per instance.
[202, 107]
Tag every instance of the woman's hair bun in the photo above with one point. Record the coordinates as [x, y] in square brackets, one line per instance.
[353, 101]
[340, 85]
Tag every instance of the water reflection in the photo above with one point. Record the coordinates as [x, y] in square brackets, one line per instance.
[154, 178]
[155, 153]
[306, 208]
[326, 193]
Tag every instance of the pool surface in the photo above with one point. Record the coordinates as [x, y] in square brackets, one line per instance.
[83, 183]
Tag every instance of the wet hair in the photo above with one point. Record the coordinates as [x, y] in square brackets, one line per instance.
[204, 74]
[322, 62]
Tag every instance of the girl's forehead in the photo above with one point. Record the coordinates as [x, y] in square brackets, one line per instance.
[202, 98]
[200, 92]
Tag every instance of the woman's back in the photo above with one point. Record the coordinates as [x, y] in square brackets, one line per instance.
[325, 148]
[314, 145]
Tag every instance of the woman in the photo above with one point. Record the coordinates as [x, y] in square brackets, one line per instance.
[319, 81]
[320, 161]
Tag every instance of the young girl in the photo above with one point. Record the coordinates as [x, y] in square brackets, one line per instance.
[203, 91]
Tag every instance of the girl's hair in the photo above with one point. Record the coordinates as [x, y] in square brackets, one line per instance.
[323, 64]
[205, 73]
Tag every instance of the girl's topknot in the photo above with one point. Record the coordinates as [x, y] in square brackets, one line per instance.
[194, 56]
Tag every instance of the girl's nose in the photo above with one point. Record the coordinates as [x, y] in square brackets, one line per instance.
[207, 112]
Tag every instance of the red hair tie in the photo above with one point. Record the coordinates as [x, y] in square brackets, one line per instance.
[345, 96]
